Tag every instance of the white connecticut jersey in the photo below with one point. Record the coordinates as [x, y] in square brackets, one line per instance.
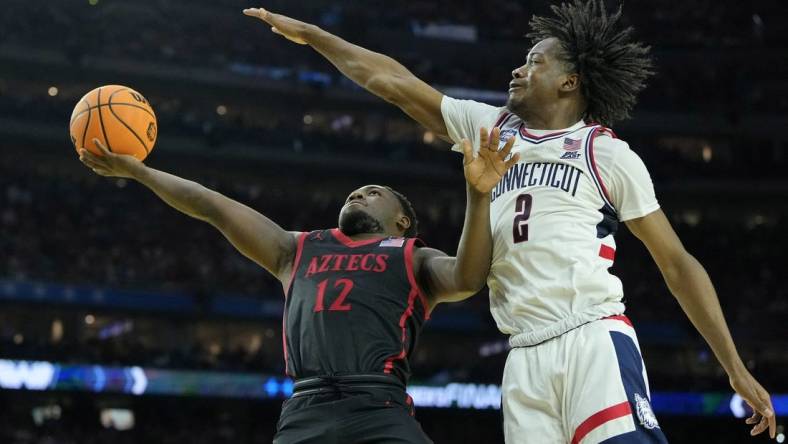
[553, 218]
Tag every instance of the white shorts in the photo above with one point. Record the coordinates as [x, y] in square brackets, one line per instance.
[586, 386]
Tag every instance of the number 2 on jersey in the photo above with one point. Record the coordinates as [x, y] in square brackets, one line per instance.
[339, 303]
[522, 211]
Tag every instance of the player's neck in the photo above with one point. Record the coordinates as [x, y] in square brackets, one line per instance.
[555, 116]
[549, 124]
[366, 236]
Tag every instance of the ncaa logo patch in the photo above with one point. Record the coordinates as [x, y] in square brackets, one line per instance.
[507, 133]
[644, 412]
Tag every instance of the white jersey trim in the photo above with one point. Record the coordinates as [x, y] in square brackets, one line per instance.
[589, 152]
[575, 320]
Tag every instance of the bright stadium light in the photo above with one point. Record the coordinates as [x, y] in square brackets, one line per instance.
[737, 406]
[140, 380]
[707, 153]
[32, 375]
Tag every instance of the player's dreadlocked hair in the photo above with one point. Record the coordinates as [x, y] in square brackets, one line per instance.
[612, 67]
[407, 207]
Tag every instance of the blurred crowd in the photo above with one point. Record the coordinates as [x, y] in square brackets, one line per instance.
[75, 419]
[61, 335]
[324, 131]
[87, 229]
[71, 227]
[128, 349]
[356, 133]
[707, 52]
[90, 229]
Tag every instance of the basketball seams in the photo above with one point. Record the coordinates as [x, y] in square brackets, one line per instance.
[101, 122]
[145, 147]
[75, 116]
[109, 105]
[133, 105]
[87, 125]
[101, 127]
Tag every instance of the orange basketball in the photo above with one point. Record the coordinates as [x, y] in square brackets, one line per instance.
[119, 117]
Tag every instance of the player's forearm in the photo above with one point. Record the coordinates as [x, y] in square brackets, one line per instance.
[372, 71]
[186, 196]
[474, 252]
[690, 284]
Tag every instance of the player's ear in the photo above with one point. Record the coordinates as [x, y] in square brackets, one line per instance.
[570, 82]
[403, 223]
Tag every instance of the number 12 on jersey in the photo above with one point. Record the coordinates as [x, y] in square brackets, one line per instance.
[339, 303]
[522, 211]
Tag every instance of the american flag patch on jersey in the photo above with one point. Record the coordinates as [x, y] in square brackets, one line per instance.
[393, 242]
[571, 144]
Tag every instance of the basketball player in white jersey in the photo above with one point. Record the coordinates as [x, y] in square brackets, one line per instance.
[574, 374]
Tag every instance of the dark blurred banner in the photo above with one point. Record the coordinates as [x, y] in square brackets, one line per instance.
[42, 375]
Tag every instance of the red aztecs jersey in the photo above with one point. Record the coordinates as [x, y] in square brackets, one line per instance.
[352, 306]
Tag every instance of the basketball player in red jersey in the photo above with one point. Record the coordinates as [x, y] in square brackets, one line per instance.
[357, 296]
[574, 373]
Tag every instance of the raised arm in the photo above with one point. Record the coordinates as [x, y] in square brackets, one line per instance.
[379, 74]
[447, 278]
[251, 233]
[690, 284]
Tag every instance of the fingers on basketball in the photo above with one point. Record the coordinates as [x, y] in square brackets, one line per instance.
[103, 149]
[91, 161]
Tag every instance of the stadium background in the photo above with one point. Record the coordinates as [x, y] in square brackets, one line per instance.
[114, 306]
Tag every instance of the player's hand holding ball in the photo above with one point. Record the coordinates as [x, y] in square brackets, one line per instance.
[113, 128]
[119, 117]
[109, 164]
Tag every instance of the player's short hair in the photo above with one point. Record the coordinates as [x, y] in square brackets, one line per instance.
[612, 67]
[407, 208]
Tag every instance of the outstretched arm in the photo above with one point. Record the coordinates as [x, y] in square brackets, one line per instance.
[446, 278]
[379, 74]
[690, 284]
[253, 234]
